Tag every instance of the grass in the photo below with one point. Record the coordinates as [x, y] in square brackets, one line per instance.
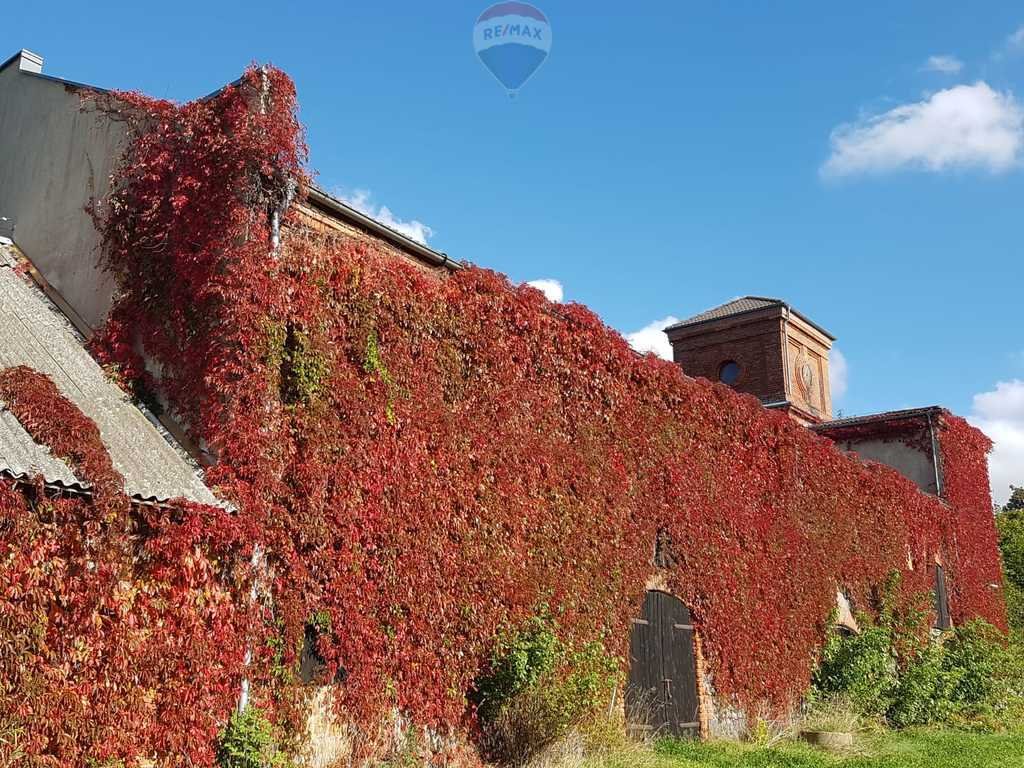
[907, 749]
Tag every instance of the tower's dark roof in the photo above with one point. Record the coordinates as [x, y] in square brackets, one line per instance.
[741, 306]
[734, 307]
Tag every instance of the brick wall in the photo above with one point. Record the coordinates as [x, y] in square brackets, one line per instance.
[755, 345]
[310, 218]
[808, 347]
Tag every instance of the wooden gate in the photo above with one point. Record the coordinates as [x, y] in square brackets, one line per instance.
[661, 694]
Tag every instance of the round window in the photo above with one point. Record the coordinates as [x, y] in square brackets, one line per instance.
[729, 372]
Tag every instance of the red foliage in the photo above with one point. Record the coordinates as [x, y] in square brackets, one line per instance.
[974, 545]
[54, 421]
[120, 628]
[428, 460]
[214, 167]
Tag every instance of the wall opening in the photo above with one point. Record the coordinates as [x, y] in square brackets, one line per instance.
[661, 692]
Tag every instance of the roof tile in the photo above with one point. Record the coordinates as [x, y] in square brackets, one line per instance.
[734, 307]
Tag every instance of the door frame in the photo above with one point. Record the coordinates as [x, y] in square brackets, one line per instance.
[657, 583]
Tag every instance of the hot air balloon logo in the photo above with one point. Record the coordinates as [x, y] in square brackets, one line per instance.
[512, 40]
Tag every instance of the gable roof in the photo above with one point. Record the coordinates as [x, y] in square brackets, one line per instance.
[33, 332]
[742, 306]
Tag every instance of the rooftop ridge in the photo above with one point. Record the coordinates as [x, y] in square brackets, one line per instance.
[742, 305]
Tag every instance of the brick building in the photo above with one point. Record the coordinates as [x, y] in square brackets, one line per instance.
[761, 346]
[757, 345]
[765, 347]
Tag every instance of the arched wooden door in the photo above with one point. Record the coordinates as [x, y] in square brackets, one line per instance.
[661, 694]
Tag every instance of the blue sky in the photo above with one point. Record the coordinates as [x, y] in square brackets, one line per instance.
[864, 163]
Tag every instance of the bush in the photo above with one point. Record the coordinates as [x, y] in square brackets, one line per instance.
[921, 694]
[975, 661]
[969, 677]
[1010, 524]
[538, 689]
[247, 741]
[1015, 608]
[861, 668]
[517, 663]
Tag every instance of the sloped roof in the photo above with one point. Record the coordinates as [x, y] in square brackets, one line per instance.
[742, 306]
[734, 307]
[873, 418]
[340, 209]
[33, 332]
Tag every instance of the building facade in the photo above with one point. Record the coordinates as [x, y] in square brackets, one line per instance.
[57, 154]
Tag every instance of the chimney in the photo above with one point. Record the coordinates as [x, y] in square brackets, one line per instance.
[29, 62]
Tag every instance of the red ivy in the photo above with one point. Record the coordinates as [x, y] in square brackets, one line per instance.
[122, 630]
[54, 421]
[430, 459]
[974, 543]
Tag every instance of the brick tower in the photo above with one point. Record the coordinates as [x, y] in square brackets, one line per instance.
[761, 346]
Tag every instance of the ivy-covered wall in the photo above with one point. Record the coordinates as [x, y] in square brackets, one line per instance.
[122, 624]
[426, 462]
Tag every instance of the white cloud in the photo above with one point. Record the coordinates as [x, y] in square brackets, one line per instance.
[966, 126]
[1015, 42]
[999, 413]
[549, 287]
[947, 65]
[360, 199]
[1006, 401]
[652, 338]
[839, 373]
[1013, 45]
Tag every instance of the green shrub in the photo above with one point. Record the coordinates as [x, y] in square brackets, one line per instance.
[966, 679]
[921, 694]
[247, 741]
[1015, 608]
[1010, 524]
[518, 661]
[861, 668]
[969, 677]
[986, 677]
[975, 660]
[538, 688]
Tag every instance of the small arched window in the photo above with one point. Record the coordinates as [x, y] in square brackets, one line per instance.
[729, 372]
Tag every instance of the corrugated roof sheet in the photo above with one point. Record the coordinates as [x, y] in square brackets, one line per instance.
[734, 307]
[33, 332]
[20, 455]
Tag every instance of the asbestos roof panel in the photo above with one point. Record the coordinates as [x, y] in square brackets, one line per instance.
[20, 455]
[33, 332]
[730, 308]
